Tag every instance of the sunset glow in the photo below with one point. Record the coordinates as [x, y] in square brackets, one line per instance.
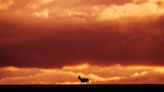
[108, 41]
[115, 74]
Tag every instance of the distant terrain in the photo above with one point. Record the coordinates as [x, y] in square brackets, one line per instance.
[83, 88]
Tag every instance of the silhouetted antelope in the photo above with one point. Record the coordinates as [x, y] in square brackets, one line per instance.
[83, 80]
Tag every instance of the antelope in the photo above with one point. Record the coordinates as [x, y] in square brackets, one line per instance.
[83, 80]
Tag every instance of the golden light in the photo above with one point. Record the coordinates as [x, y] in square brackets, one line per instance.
[132, 10]
[96, 74]
[42, 14]
[6, 5]
[78, 67]
[10, 68]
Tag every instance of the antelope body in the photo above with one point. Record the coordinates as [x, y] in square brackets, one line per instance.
[83, 80]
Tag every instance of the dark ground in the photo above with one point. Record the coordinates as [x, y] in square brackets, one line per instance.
[83, 88]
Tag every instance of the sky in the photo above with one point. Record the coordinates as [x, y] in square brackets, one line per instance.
[107, 41]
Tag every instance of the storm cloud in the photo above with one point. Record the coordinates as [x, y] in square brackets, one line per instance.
[132, 42]
[42, 36]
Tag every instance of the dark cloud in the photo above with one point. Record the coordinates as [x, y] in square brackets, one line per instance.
[54, 44]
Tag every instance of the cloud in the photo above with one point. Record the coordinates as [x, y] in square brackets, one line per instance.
[110, 74]
[60, 34]
[106, 9]
[47, 43]
[36, 33]
[132, 10]
[43, 14]
[4, 5]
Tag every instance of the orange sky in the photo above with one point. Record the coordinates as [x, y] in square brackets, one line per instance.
[115, 74]
[122, 40]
